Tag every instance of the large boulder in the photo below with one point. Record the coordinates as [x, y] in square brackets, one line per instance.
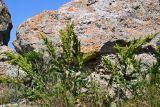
[99, 24]
[5, 24]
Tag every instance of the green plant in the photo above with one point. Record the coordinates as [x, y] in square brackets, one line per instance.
[149, 97]
[62, 80]
[128, 68]
[59, 79]
[71, 46]
[149, 90]
[154, 69]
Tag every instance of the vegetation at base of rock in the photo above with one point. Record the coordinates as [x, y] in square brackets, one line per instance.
[130, 74]
[58, 80]
[62, 80]
[71, 46]
[129, 68]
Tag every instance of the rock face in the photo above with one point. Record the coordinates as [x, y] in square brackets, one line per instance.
[5, 24]
[5, 28]
[7, 69]
[99, 23]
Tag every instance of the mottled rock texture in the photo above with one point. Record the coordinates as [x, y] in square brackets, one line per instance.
[5, 24]
[5, 28]
[99, 23]
[6, 69]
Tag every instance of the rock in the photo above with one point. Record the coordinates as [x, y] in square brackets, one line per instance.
[5, 24]
[21, 103]
[145, 58]
[6, 69]
[99, 24]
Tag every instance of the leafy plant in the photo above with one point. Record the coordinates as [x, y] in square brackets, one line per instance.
[62, 80]
[59, 79]
[71, 46]
[128, 68]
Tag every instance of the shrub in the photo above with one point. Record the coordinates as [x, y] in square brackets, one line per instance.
[128, 72]
[59, 79]
[63, 81]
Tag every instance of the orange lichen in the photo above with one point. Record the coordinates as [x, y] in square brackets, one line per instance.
[71, 9]
[85, 6]
[133, 32]
[90, 48]
[35, 20]
[92, 44]
[32, 22]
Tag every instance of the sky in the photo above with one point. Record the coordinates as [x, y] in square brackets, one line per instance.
[21, 10]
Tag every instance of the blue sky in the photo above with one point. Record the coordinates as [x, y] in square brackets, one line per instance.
[21, 10]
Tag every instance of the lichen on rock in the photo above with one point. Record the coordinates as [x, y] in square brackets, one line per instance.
[97, 22]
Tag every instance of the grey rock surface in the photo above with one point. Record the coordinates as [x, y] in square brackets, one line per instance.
[6, 69]
[99, 23]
